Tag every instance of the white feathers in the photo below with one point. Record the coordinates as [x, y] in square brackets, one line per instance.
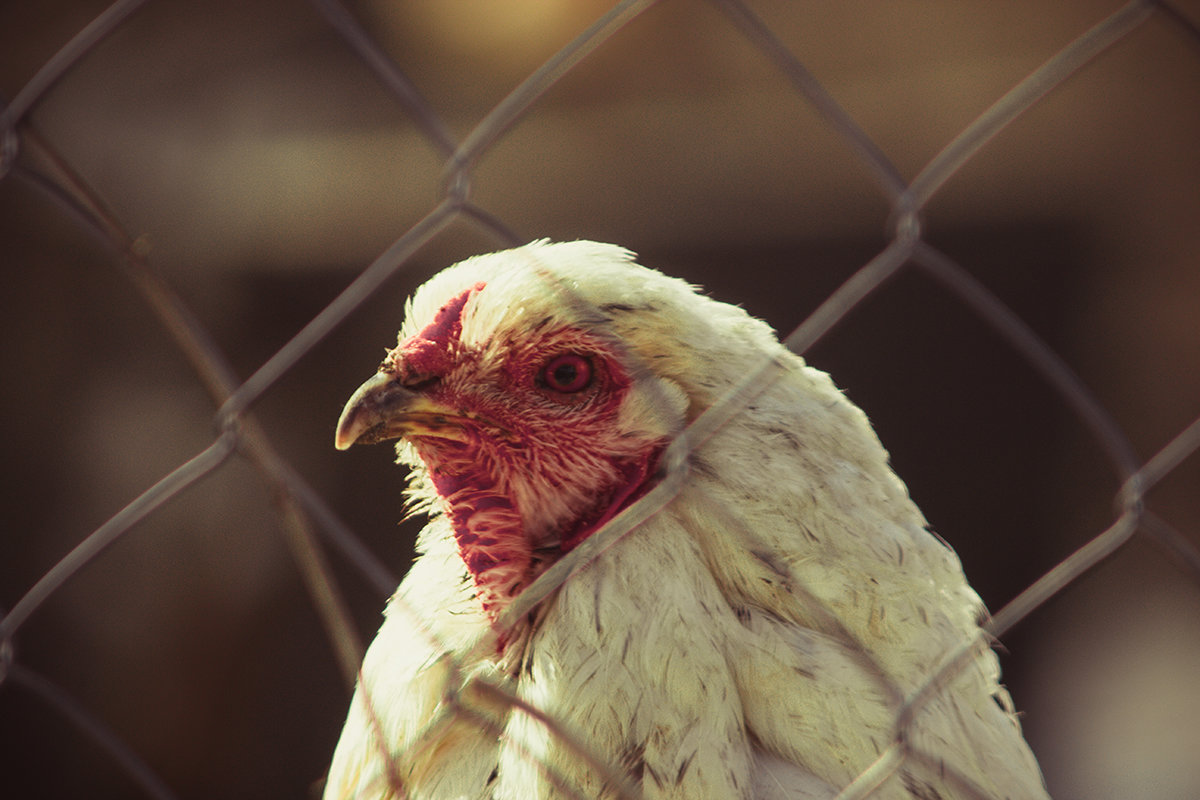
[755, 639]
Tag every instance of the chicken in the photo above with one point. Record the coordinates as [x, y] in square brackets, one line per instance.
[754, 637]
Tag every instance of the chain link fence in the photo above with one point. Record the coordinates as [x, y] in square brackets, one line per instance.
[981, 221]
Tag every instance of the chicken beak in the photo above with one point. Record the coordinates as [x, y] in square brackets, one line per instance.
[382, 409]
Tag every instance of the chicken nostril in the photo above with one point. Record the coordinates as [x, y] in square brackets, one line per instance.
[402, 372]
[419, 380]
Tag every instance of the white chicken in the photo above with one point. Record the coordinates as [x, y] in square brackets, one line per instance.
[756, 637]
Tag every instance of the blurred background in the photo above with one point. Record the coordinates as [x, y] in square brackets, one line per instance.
[265, 166]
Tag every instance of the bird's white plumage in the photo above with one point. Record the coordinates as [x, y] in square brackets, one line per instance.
[754, 639]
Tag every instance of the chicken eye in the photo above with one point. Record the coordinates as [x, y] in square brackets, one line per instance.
[568, 373]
